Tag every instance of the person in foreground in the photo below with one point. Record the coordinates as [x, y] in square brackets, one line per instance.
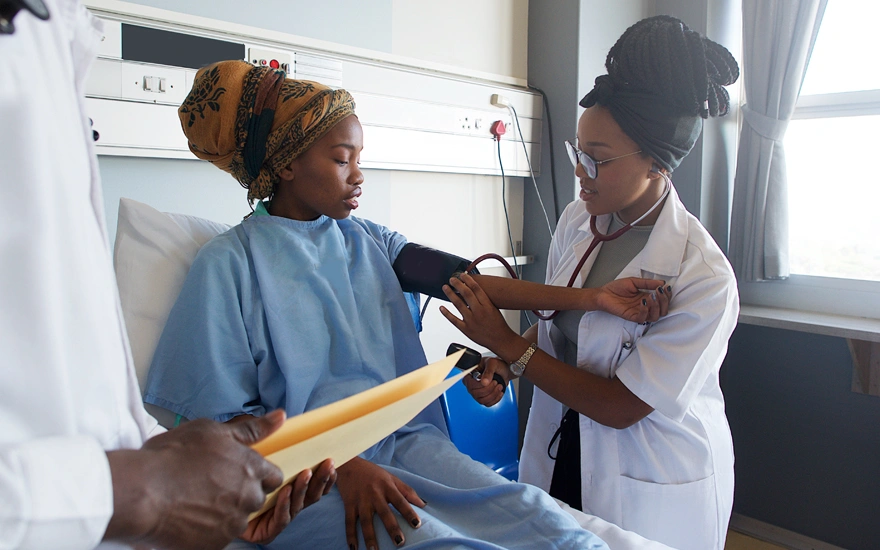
[81, 462]
[301, 305]
[627, 420]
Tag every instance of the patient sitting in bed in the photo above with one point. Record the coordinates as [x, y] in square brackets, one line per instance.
[299, 306]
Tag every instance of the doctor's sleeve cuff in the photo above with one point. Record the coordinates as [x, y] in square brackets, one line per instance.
[670, 366]
[54, 493]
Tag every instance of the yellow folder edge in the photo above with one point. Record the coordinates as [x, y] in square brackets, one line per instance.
[344, 429]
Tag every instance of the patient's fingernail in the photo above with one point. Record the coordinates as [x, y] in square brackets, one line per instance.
[669, 288]
[416, 522]
[644, 302]
[351, 547]
[660, 290]
[398, 540]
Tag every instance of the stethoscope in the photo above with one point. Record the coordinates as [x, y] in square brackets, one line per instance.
[597, 238]
[10, 8]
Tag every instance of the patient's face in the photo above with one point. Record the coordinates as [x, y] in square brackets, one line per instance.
[326, 179]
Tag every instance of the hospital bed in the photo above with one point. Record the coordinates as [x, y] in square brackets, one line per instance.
[152, 255]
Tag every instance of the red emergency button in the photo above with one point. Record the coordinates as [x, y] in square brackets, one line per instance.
[274, 64]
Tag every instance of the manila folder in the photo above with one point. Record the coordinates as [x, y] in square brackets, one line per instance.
[346, 428]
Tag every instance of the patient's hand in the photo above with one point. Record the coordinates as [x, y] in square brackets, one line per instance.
[487, 391]
[628, 298]
[306, 489]
[368, 489]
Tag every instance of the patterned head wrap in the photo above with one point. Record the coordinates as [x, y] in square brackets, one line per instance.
[253, 122]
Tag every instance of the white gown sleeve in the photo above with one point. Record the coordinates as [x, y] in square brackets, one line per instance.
[55, 492]
[65, 395]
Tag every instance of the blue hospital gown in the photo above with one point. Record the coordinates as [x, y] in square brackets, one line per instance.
[284, 313]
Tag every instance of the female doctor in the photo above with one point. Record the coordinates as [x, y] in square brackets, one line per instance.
[627, 420]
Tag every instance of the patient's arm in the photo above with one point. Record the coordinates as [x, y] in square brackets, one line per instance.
[367, 489]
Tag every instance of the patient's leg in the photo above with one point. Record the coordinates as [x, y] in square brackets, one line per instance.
[469, 506]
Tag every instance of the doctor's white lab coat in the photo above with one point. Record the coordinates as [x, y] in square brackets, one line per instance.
[68, 391]
[669, 477]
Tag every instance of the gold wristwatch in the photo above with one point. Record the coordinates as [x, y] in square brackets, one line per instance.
[518, 367]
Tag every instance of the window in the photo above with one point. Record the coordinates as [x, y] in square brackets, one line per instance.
[832, 150]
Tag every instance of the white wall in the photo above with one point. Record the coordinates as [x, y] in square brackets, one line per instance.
[460, 214]
[483, 35]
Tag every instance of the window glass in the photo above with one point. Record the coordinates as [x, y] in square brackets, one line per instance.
[847, 49]
[831, 160]
[834, 194]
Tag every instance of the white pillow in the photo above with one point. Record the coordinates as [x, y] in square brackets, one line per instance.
[153, 254]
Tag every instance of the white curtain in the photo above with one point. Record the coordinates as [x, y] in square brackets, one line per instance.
[778, 37]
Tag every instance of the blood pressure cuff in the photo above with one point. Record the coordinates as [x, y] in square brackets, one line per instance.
[425, 270]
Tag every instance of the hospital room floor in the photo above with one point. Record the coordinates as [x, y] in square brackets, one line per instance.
[739, 541]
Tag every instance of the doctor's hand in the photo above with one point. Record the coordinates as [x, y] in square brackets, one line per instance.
[487, 391]
[305, 490]
[480, 319]
[193, 486]
[634, 299]
[367, 490]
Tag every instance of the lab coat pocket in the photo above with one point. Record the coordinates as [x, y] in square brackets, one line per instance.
[679, 515]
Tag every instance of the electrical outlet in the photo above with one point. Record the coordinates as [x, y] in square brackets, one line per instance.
[475, 123]
[271, 58]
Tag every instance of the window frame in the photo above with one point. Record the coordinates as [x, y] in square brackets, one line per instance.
[837, 296]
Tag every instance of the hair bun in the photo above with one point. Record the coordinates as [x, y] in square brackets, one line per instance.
[722, 70]
[660, 55]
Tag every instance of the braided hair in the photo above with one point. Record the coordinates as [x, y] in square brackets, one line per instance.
[662, 56]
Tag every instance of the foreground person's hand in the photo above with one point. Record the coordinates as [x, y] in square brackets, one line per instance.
[194, 486]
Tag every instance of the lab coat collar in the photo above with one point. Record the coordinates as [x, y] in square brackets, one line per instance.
[664, 250]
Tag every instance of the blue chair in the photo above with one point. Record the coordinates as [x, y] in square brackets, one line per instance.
[487, 434]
